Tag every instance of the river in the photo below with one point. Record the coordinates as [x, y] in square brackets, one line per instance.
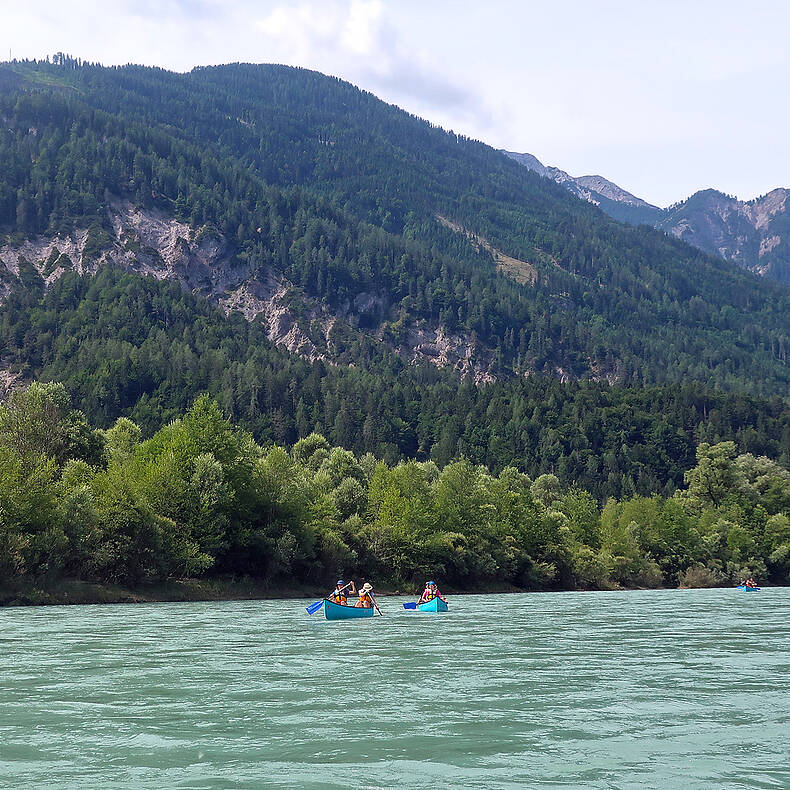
[662, 689]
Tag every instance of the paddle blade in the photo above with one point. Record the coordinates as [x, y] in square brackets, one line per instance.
[410, 605]
[314, 607]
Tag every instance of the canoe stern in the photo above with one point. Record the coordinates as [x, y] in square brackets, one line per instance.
[436, 605]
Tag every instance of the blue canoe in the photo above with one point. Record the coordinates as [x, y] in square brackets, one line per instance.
[334, 611]
[436, 605]
[744, 588]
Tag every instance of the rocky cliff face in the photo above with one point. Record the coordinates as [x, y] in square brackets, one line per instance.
[145, 242]
[755, 234]
[149, 242]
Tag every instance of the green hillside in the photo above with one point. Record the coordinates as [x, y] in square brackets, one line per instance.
[307, 175]
[131, 346]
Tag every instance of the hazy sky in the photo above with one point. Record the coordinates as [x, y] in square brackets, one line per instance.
[663, 98]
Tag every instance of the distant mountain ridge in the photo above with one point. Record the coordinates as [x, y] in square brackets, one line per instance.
[591, 188]
[754, 234]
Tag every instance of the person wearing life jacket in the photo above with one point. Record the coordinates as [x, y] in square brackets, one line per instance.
[338, 595]
[427, 593]
[430, 592]
[365, 598]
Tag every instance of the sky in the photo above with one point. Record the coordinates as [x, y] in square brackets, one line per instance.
[663, 98]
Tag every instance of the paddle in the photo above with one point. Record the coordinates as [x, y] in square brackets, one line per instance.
[381, 614]
[314, 607]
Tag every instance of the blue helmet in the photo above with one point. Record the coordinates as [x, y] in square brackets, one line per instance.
[340, 581]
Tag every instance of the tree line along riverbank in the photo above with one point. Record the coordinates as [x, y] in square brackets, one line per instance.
[202, 501]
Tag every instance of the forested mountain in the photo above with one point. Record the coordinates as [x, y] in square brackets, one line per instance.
[307, 178]
[493, 358]
[755, 233]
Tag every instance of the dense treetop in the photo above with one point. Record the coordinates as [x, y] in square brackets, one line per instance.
[200, 497]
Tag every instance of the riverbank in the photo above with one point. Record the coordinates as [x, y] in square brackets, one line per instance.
[69, 592]
[72, 592]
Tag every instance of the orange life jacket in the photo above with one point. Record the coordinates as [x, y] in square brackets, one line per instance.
[365, 600]
[338, 597]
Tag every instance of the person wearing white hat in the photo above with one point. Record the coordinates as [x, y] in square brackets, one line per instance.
[365, 598]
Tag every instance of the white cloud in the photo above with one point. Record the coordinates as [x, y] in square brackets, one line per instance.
[355, 40]
[302, 33]
[362, 30]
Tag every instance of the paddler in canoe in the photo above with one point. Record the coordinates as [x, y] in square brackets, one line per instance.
[366, 599]
[430, 592]
[338, 595]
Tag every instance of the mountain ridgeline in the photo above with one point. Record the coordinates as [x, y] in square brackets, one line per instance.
[340, 195]
[755, 234]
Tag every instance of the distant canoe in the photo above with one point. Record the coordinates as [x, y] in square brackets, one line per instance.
[436, 605]
[335, 611]
[744, 588]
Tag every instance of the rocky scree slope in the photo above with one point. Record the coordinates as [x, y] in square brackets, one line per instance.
[149, 242]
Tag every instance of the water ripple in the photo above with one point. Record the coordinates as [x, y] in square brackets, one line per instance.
[670, 689]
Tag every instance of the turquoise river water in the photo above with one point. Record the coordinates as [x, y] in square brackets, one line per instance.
[661, 689]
